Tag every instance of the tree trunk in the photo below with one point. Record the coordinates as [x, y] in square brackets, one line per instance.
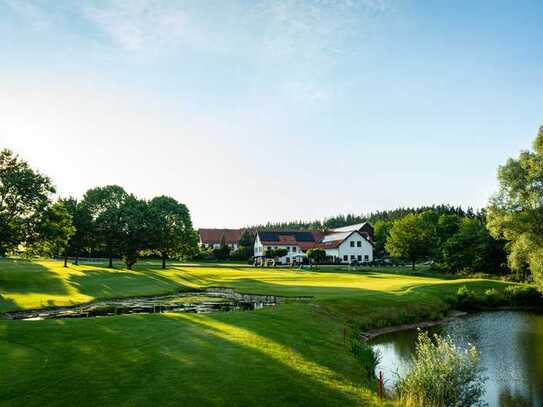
[76, 260]
[65, 260]
[110, 265]
[413, 268]
[164, 261]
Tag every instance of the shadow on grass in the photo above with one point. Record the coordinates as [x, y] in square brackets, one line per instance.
[166, 360]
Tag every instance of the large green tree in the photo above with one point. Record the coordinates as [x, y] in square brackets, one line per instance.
[52, 235]
[170, 228]
[82, 236]
[25, 195]
[413, 237]
[515, 213]
[469, 249]
[134, 229]
[104, 205]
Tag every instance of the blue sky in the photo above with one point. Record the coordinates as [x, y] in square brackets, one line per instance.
[256, 111]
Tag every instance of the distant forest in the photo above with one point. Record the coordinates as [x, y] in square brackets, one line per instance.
[350, 219]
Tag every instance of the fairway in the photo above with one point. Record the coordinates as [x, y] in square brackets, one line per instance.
[294, 354]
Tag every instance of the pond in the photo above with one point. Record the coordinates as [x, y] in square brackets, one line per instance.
[210, 300]
[510, 344]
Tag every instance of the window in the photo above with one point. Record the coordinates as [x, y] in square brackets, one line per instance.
[288, 259]
[345, 258]
[352, 257]
[359, 258]
[294, 249]
[366, 258]
[352, 243]
[359, 244]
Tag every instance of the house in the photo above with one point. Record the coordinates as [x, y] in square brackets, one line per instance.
[212, 238]
[342, 245]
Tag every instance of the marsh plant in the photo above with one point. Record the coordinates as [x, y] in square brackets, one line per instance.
[368, 357]
[442, 375]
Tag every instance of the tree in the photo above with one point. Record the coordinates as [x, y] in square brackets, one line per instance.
[170, 227]
[468, 250]
[515, 213]
[104, 206]
[222, 252]
[134, 230]
[279, 252]
[25, 195]
[316, 255]
[247, 239]
[381, 233]
[413, 237]
[54, 232]
[82, 237]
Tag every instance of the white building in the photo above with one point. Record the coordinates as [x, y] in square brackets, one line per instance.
[343, 245]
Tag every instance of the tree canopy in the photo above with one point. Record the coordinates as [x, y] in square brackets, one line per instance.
[170, 227]
[413, 237]
[515, 213]
[104, 204]
[25, 195]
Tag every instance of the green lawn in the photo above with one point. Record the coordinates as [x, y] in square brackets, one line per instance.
[291, 355]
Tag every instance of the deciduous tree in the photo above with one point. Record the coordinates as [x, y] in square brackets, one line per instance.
[170, 228]
[104, 206]
[25, 195]
[134, 229]
[316, 255]
[515, 213]
[413, 237]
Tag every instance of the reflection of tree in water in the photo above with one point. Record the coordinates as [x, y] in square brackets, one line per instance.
[529, 347]
[509, 399]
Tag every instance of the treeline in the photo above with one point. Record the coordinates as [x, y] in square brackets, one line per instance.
[452, 242]
[106, 222]
[372, 217]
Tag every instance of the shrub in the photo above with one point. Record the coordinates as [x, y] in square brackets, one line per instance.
[494, 297]
[442, 375]
[466, 298]
[522, 295]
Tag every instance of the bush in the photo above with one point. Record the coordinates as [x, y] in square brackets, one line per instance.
[466, 298]
[442, 375]
[494, 297]
[522, 295]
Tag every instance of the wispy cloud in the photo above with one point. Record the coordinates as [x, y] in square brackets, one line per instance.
[292, 47]
[142, 24]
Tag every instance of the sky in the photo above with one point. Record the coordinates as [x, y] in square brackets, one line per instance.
[262, 111]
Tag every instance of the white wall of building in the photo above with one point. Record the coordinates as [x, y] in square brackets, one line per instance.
[361, 249]
[362, 253]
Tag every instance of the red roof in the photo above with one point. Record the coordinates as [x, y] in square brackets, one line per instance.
[212, 236]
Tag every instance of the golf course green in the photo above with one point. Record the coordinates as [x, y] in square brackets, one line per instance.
[292, 354]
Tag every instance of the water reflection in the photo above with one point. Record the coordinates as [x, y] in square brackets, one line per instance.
[511, 352]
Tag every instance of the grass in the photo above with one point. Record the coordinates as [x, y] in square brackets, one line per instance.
[294, 354]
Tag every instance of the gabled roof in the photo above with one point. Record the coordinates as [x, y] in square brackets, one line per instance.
[307, 240]
[285, 237]
[213, 236]
[350, 228]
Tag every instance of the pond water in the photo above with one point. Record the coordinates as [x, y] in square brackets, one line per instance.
[196, 302]
[510, 344]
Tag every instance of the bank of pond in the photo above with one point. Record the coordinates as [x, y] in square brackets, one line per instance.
[510, 346]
